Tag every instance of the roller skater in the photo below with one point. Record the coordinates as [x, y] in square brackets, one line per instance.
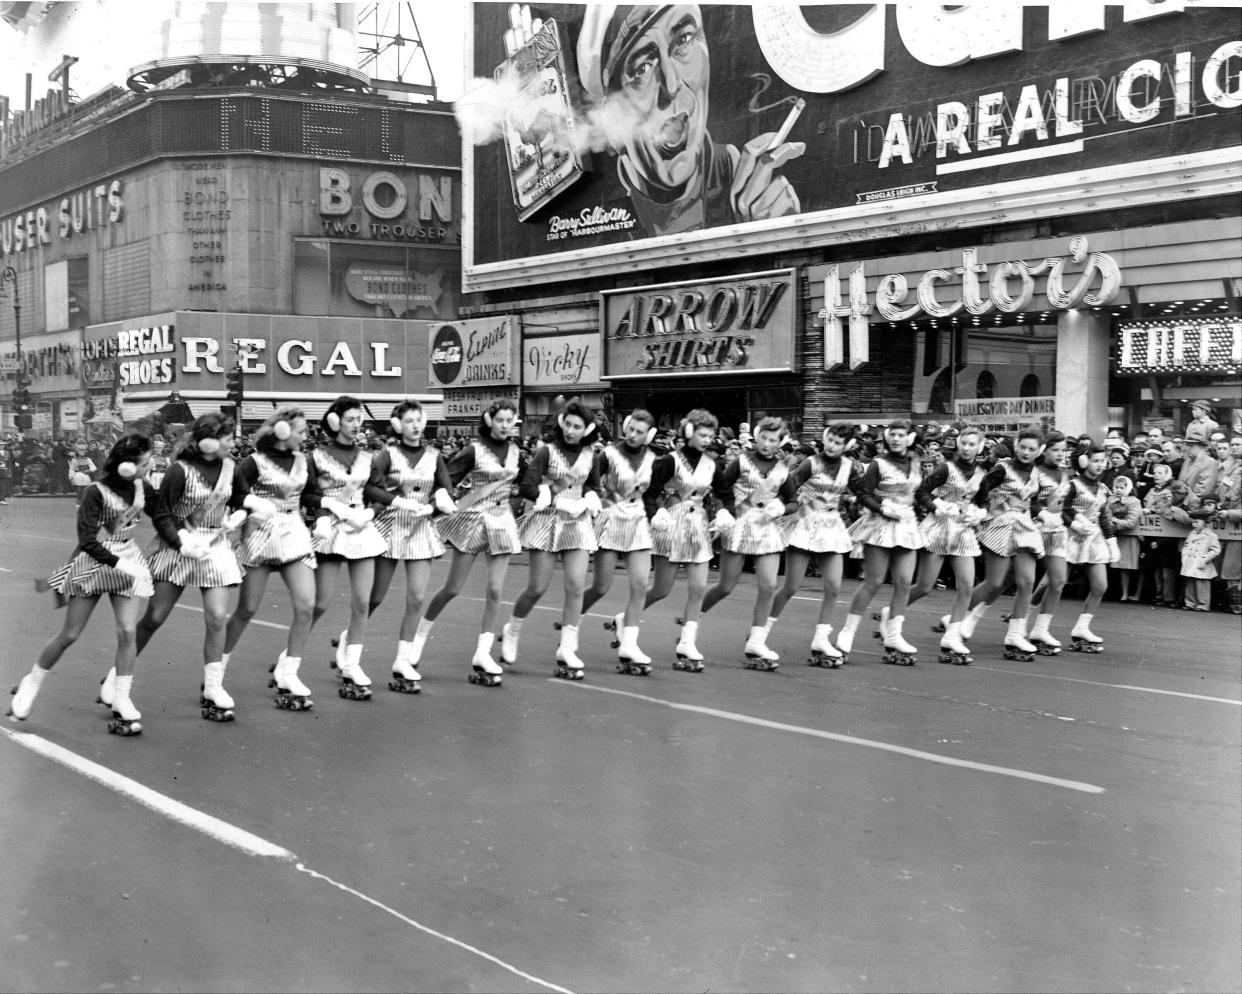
[1054, 487]
[214, 701]
[621, 529]
[889, 535]
[562, 486]
[1092, 538]
[1082, 638]
[409, 482]
[106, 561]
[754, 492]
[269, 484]
[953, 649]
[1017, 645]
[823, 652]
[680, 484]
[482, 522]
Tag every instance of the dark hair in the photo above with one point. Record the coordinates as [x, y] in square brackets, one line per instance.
[484, 428]
[1084, 451]
[212, 425]
[400, 410]
[1034, 433]
[1052, 438]
[574, 408]
[643, 415]
[771, 424]
[699, 418]
[127, 448]
[842, 431]
[265, 437]
[338, 407]
[900, 424]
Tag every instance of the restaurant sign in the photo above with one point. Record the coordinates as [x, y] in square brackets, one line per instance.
[1180, 345]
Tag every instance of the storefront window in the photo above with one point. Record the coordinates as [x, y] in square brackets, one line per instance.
[986, 363]
[369, 279]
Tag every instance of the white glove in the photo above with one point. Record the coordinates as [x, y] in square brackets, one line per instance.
[260, 507]
[1080, 525]
[323, 527]
[973, 515]
[359, 516]
[128, 567]
[415, 507]
[1114, 550]
[192, 546]
[661, 519]
[724, 519]
[592, 502]
[338, 509]
[235, 520]
[444, 503]
[1049, 519]
[571, 507]
[544, 500]
[775, 508]
[946, 509]
[894, 511]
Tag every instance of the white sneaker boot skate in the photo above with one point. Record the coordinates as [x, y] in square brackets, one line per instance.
[616, 624]
[107, 688]
[896, 649]
[630, 658]
[942, 625]
[24, 694]
[510, 632]
[291, 693]
[487, 671]
[823, 652]
[845, 638]
[421, 635]
[125, 717]
[342, 643]
[1016, 644]
[568, 665]
[952, 648]
[215, 702]
[1042, 638]
[758, 655]
[1082, 638]
[357, 685]
[882, 632]
[972, 619]
[405, 678]
[688, 656]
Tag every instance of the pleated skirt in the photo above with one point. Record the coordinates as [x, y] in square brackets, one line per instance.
[408, 535]
[623, 528]
[84, 576]
[816, 531]
[886, 533]
[551, 531]
[945, 536]
[219, 568]
[1009, 532]
[493, 531]
[1084, 549]
[278, 541]
[686, 539]
[754, 534]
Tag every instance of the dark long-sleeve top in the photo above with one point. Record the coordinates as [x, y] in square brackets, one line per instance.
[376, 491]
[312, 495]
[722, 485]
[1090, 489]
[537, 469]
[997, 475]
[665, 469]
[865, 490]
[831, 467]
[91, 518]
[247, 473]
[924, 497]
[462, 463]
[167, 524]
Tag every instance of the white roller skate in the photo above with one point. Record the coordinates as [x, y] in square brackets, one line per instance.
[126, 719]
[24, 694]
[972, 619]
[1042, 638]
[340, 643]
[291, 693]
[215, 702]
[1016, 644]
[1082, 638]
[882, 617]
[897, 650]
[405, 678]
[823, 652]
[510, 632]
[568, 665]
[953, 648]
[357, 685]
[616, 624]
[688, 656]
[845, 637]
[630, 658]
[942, 625]
[487, 671]
[107, 688]
[758, 655]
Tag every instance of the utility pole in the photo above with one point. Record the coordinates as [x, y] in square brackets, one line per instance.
[21, 385]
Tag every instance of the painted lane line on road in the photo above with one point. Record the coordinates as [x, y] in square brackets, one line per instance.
[431, 931]
[253, 621]
[1114, 686]
[931, 757]
[230, 835]
[209, 825]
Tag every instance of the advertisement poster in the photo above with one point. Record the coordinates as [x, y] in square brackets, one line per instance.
[475, 353]
[772, 111]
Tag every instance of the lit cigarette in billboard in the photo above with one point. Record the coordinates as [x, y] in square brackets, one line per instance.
[794, 113]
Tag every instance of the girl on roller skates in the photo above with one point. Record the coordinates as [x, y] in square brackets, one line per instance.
[947, 498]
[409, 482]
[680, 483]
[562, 486]
[269, 484]
[1091, 537]
[482, 523]
[344, 532]
[1053, 476]
[890, 538]
[624, 471]
[106, 561]
[1010, 540]
[755, 492]
[194, 548]
[816, 532]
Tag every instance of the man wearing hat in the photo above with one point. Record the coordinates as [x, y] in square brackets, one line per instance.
[646, 69]
[1199, 470]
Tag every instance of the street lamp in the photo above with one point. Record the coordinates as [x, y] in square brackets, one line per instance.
[21, 386]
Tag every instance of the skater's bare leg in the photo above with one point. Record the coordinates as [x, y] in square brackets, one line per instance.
[731, 564]
[539, 578]
[249, 599]
[663, 573]
[159, 606]
[77, 614]
[601, 580]
[215, 621]
[417, 576]
[796, 562]
[300, 579]
[459, 569]
[575, 563]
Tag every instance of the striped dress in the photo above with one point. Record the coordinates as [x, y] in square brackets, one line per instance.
[334, 479]
[86, 576]
[622, 526]
[1088, 500]
[200, 510]
[284, 537]
[551, 530]
[753, 532]
[950, 536]
[409, 536]
[896, 484]
[1054, 485]
[687, 538]
[483, 521]
[817, 526]
[1009, 527]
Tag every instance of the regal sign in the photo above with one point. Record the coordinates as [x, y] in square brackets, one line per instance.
[741, 325]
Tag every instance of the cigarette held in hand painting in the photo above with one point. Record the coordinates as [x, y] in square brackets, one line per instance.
[791, 119]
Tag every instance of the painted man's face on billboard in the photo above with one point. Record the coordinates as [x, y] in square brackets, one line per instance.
[661, 84]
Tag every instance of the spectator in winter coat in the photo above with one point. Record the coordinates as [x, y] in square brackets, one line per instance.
[1198, 569]
[1199, 470]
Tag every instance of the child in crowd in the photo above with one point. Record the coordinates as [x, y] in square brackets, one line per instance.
[1163, 554]
[1126, 511]
[1198, 569]
[81, 466]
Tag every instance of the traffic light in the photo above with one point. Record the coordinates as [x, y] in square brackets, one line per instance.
[22, 411]
[233, 381]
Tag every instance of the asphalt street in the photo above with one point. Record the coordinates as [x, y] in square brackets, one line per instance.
[1068, 824]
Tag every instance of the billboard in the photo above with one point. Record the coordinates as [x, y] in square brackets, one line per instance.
[478, 353]
[726, 130]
